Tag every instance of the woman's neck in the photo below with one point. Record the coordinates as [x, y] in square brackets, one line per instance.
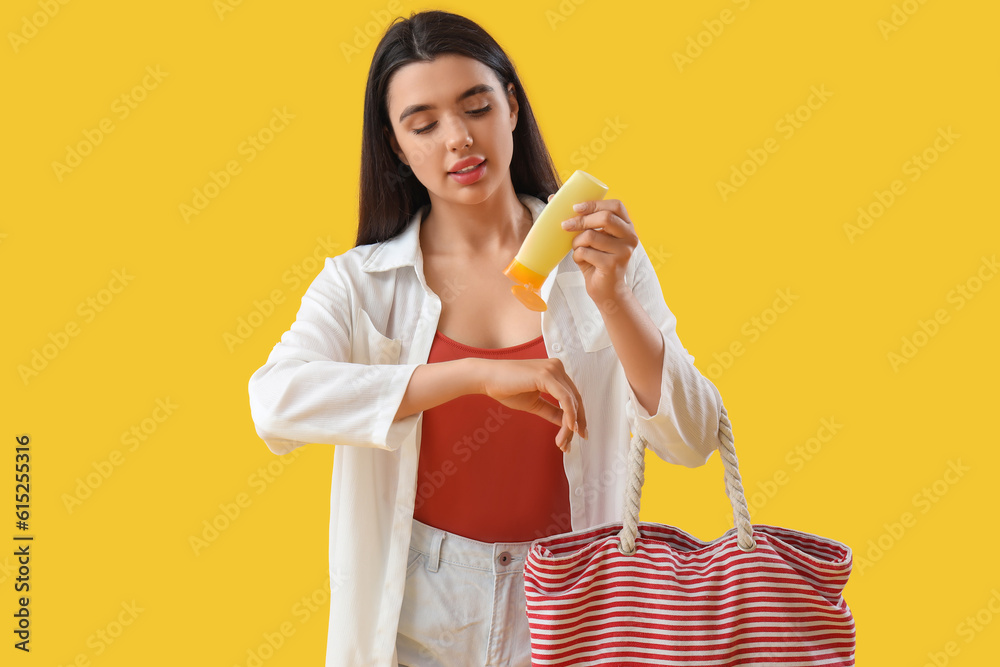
[482, 229]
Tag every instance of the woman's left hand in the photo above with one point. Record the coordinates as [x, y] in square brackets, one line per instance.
[603, 248]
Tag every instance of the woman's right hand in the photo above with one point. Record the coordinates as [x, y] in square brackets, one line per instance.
[519, 384]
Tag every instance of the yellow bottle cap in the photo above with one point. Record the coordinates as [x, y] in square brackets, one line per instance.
[528, 287]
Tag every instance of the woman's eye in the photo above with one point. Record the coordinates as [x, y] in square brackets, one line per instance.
[474, 112]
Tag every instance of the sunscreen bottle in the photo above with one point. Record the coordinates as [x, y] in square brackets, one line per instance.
[547, 242]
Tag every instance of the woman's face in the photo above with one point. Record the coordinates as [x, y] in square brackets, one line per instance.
[448, 110]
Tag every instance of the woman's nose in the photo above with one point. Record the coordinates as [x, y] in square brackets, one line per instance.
[458, 135]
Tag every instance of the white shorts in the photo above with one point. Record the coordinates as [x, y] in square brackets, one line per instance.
[464, 603]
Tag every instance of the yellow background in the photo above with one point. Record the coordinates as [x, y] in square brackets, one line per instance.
[721, 262]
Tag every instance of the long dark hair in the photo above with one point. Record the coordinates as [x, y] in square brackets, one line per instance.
[389, 192]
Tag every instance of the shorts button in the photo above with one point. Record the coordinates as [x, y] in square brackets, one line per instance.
[504, 558]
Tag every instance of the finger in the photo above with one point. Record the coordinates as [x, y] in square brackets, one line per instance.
[577, 419]
[567, 400]
[547, 411]
[615, 206]
[561, 387]
[556, 415]
[606, 221]
[598, 240]
[570, 415]
[581, 418]
[561, 418]
[610, 214]
[562, 439]
[605, 261]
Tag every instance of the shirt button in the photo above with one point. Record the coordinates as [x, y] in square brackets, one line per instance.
[556, 347]
[504, 558]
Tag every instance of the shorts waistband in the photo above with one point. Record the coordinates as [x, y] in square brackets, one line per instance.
[442, 546]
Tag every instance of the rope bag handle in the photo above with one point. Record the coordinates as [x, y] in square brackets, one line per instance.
[733, 486]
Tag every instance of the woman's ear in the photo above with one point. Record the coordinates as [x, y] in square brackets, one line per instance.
[512, 103]
[391, 137]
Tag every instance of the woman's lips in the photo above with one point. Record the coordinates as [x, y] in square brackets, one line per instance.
[471, 176]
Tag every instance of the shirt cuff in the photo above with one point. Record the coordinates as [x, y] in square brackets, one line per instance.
[684, 429]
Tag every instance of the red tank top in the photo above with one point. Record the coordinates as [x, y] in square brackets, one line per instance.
[486, 471]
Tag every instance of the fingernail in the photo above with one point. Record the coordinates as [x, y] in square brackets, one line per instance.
[567, 224]
[580, 206]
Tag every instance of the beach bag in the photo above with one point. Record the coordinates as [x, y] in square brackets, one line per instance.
[636, 593]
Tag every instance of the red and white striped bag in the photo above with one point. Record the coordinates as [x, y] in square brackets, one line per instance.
[649, 594]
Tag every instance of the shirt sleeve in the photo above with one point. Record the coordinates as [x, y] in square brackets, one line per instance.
[685, 428]
[312, 390]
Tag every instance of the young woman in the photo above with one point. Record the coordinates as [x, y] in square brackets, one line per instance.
[466, 426]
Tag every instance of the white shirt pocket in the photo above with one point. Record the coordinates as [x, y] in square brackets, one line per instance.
[586, 317]
[369, 346]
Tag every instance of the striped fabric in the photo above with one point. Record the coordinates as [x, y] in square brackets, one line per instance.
[681, 601]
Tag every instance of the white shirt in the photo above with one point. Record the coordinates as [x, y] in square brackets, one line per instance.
[338, 375]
